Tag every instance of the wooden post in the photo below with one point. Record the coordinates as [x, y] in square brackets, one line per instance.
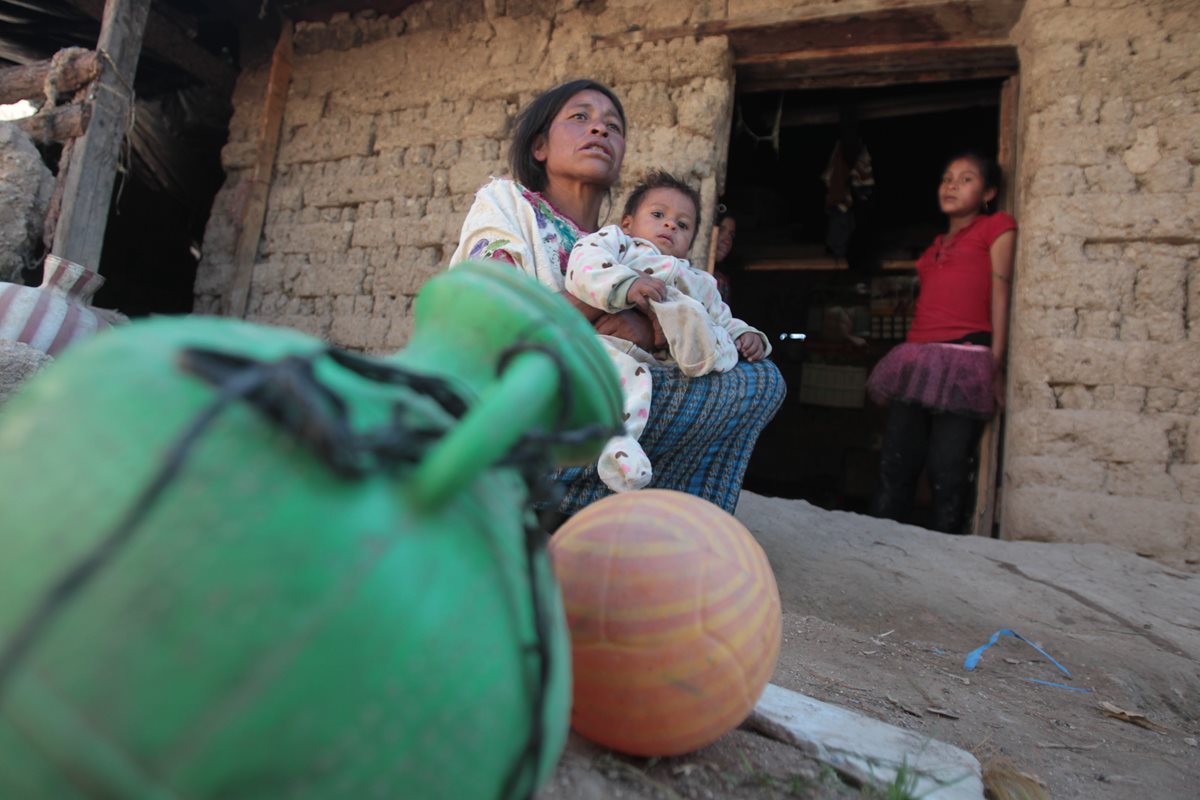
[711, 266]
[260, 180]
[91, 172]
[989, 443]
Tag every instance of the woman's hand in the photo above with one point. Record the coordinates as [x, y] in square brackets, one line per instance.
[750, 345]
[630, 325]
[643, 290]
[660, 336]
[590, 313]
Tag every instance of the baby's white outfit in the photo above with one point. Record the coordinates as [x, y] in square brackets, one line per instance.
[697, 324]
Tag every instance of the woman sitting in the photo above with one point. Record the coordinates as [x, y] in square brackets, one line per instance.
[566, 156]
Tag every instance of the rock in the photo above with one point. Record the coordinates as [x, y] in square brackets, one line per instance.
[18, 362]
[866, 749]
[26, 184]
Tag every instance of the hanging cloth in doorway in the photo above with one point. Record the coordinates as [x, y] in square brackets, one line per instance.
[847, 185]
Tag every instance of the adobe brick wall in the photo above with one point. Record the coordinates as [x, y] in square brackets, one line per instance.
[392, 124]
[1103, 439]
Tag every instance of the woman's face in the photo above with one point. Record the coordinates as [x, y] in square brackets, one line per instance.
[585, 142]
[726, 232]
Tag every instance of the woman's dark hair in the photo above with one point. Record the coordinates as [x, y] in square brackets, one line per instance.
[659, 180]
[535, 120]
[989, 170]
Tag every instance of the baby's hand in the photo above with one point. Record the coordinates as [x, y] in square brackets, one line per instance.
[645, 289]
[750, 345]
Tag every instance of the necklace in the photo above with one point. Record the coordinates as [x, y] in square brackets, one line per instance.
[946, 240]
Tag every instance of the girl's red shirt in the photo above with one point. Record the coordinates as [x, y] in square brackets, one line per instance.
[956, 282]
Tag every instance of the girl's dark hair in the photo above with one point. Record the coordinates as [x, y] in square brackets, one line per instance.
[535, 120]
[658, 179]
[989, 170]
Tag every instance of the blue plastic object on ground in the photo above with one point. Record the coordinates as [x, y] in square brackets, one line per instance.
[973, 657]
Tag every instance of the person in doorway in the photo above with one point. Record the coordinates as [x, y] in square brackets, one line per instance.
[566, 155]
[640, 264]
[726, 233]
[948, 377]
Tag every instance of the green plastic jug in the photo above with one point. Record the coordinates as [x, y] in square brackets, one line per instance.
[238, 564]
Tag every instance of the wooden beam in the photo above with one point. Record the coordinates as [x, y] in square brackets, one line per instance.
[1006, 151]
[246, 249]
[59, 124]
[984, 518]
[867, 80]
[50, 224]
[711, 265]
[72, 68]
[166, 41]
[985, 478]
[851, 24]
[861, 45]
[899, 105]
[322, 10]
[87, 190]
[817, 263]
[821, 264]
[901, 51]
[877, 65]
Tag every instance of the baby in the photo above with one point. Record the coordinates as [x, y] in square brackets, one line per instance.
[640, 265]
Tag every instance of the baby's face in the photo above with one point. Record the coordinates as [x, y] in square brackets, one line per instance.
[666, 217]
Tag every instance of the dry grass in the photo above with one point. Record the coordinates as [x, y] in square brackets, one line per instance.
[1004, 780]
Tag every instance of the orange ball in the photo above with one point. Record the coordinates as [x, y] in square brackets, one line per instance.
[674, 617]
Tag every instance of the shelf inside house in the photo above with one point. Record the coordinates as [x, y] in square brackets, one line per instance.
[818, 264]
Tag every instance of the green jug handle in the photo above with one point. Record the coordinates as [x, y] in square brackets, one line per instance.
[506, 411]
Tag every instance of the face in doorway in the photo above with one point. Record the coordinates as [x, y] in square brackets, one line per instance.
[585, 143]
[726, 233]
[963, 191]
[667, 218]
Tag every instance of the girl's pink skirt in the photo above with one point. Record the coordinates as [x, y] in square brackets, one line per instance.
[942, 377]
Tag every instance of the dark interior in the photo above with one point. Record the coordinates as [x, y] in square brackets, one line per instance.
[171, 168]
[850, 303]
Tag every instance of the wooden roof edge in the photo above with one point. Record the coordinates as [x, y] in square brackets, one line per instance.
[165, 40]
[970, 18]
[991, 45]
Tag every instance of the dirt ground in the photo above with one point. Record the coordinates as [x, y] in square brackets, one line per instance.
[877, 618]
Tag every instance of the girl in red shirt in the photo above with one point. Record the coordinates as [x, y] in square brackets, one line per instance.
[948, 377]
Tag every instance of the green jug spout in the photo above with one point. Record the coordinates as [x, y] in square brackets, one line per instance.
[506, 412]
[524, 360]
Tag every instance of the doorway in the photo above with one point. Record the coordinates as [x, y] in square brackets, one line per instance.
[829, 274]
